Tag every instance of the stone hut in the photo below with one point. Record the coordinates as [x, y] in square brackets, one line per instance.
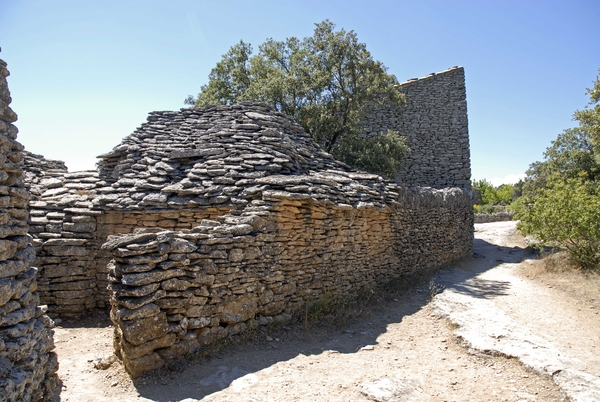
[204, 223]
[240, 219]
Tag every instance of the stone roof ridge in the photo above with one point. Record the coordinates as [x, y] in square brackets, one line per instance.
[233, 156]
[246, 115]
[38, 161]
[428, 76]
[219, 155]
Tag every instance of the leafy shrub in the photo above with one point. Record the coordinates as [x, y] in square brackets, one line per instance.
[565, 214]
[381, 155]
[491, 209]
[489, 199]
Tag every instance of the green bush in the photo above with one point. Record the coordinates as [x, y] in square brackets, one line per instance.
[565, 214]
[484, 209]
[381, 155]
[489, 199]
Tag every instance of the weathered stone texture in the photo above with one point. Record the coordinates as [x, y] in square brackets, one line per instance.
[306, 227]
[435, 124]
[68, 231]
[224, 218]
[174, 292]
[27, 363]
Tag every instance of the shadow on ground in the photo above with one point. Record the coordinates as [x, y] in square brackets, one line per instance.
[94, 319]
[463, 277]
[241, 357]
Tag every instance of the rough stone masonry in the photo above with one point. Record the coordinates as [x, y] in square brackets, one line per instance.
[232, 217]
[73, 213]
[27, 364]
[435, 124]
[301, 226]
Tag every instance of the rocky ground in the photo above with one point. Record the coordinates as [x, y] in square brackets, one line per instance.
[499, 331]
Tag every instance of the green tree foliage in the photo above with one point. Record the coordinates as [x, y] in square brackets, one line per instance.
[381, 155]
[574, 154]
[570, 156]
[504, 194]
[483, 190]
[589, 118]
[561, 199]
[565, 214]
[323, 82]
[487, 197]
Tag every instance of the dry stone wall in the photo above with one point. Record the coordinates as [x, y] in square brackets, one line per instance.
[69, 225]
[182, 167]
[176, 292]
[228, 217]
[300, 226]
[28, 365]
[495, 217]
[435, 124]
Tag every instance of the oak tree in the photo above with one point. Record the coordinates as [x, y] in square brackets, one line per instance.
[323, 82]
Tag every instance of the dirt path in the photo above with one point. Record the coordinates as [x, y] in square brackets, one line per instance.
[407, 351]
[500, 311]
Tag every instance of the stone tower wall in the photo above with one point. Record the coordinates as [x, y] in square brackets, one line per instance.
[435, 124]
[28, 365]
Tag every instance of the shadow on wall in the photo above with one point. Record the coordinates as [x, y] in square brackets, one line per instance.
[241, 365]
[175, 292]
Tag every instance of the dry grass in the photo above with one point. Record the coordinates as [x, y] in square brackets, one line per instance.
[557, 271]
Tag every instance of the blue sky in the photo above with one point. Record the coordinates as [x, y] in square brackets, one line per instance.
[85, 74]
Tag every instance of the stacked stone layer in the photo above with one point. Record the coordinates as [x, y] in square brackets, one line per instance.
[41, 174]
[177, 291]
[435, 123]
[209, 157]
[28, 365]
[174, 171]
[69, 227]
[239, 220]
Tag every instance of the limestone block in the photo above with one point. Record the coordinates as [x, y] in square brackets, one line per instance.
[147, 310]
[176, 284]
[7, 249]
[130, 351]
[136, 367]
[182, 246]
[236, 255]
[151, 259]
[173, 303]
[12, 268]
[67, 250]
[236, 230]
[143, 330]
[79, 226]
[239, 309]
[134, 303]
[114, 242]
[197, 323]
[156, 275]
[133, 268]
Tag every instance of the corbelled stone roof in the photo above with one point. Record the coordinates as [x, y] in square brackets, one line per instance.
[226, 155]
[41, 174]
